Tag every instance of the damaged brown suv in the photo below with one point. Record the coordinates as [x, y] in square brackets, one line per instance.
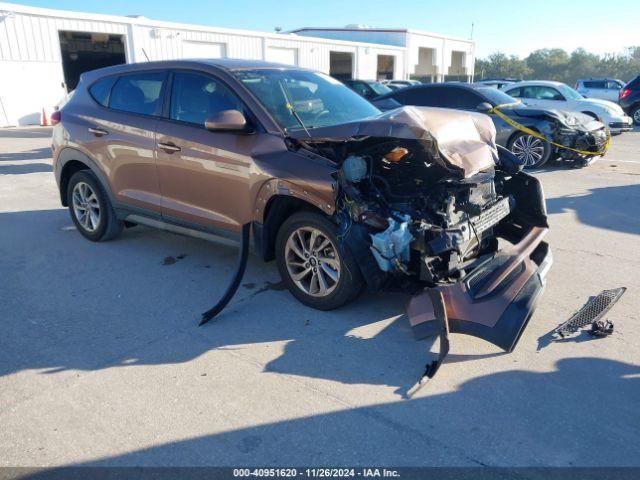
[419, 200]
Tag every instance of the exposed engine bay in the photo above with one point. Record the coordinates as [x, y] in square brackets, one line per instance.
[429, 205]
[432, 207]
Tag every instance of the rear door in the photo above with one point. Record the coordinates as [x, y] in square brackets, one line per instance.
[204, 176]
[123, 135]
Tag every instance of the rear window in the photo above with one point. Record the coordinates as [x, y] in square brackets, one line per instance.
[594, 84]
[138, 93]
[635, 83]
[100, 90]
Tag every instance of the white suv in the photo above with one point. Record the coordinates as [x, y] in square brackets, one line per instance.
[602, 88]
[559, 96]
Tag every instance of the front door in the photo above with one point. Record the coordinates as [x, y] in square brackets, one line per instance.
[204, 176]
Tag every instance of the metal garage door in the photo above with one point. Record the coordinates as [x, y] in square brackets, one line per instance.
[203, 50]
[288, 56]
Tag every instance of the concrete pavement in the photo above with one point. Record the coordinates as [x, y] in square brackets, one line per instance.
[101, 362]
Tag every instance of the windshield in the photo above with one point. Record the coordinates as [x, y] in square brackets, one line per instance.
[317, 99]
[379, 88]
[497, 97]
[569, 92]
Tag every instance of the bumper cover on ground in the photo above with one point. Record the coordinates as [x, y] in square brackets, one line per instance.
[496, 301]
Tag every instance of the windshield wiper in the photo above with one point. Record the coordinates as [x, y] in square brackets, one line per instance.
[292, 109]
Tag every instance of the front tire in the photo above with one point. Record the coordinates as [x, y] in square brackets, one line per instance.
[532, 151]
[316, 268]
[90, 208]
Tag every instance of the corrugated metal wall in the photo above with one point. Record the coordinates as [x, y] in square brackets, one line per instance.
[31, 74]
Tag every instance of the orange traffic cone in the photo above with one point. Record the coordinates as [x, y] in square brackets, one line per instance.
[44, 122]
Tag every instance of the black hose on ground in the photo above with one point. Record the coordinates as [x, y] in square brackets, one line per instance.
[243, 255]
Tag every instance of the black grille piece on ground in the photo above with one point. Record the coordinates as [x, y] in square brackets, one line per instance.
[591, 312]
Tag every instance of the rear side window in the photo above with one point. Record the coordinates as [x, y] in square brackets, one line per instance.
[594, 84]
[138, 93]
[101, 89]
[196, 97]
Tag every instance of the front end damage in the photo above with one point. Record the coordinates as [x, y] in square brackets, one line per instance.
[584, 137]
[429, 205]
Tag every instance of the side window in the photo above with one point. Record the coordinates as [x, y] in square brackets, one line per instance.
[613, 85]
[548, 93]
[541, 93]
[195, 97]
[101, 89]
[515, 92]
[138, 93]
[526, 92]
[594, 84]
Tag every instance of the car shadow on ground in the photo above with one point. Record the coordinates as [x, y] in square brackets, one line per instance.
[26, 168]
[563, 416]
[612, 208]
[35, 154]
[78, 305]
[28, 132]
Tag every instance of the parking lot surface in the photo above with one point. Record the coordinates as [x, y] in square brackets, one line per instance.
[102, 362]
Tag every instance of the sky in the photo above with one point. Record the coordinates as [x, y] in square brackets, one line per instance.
[511, 27]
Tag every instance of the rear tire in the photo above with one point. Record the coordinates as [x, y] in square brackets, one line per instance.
[90, 208]
[316, 268]
[533, 152]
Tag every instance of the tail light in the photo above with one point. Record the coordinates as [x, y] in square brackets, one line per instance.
[56, 117]
[624, 93]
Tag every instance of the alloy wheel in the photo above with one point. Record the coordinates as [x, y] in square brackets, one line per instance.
[529, 149]
[312, 261]
[636, 116]
[86, 207]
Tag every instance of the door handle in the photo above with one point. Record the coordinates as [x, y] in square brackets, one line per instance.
[98, 132]
[169, 147]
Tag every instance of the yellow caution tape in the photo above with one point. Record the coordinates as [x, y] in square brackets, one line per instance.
[533, 133]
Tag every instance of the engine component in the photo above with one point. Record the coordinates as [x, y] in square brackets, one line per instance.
[396, 154]
[391, 247]
[354, 168]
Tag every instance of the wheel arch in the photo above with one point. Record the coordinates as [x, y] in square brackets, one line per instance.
[70, 161]
[277, 209]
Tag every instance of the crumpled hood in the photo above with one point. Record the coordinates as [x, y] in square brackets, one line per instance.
[466, 141]
[583, 122]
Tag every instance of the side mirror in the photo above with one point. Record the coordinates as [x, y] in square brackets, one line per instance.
[226, 120]
[484, 107]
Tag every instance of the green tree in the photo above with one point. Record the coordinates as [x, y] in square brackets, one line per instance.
[557, 64]
[501, 65]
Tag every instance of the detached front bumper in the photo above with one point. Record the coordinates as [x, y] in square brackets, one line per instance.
[496, 301]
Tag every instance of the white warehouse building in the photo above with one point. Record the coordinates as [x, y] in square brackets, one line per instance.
[44, 51]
